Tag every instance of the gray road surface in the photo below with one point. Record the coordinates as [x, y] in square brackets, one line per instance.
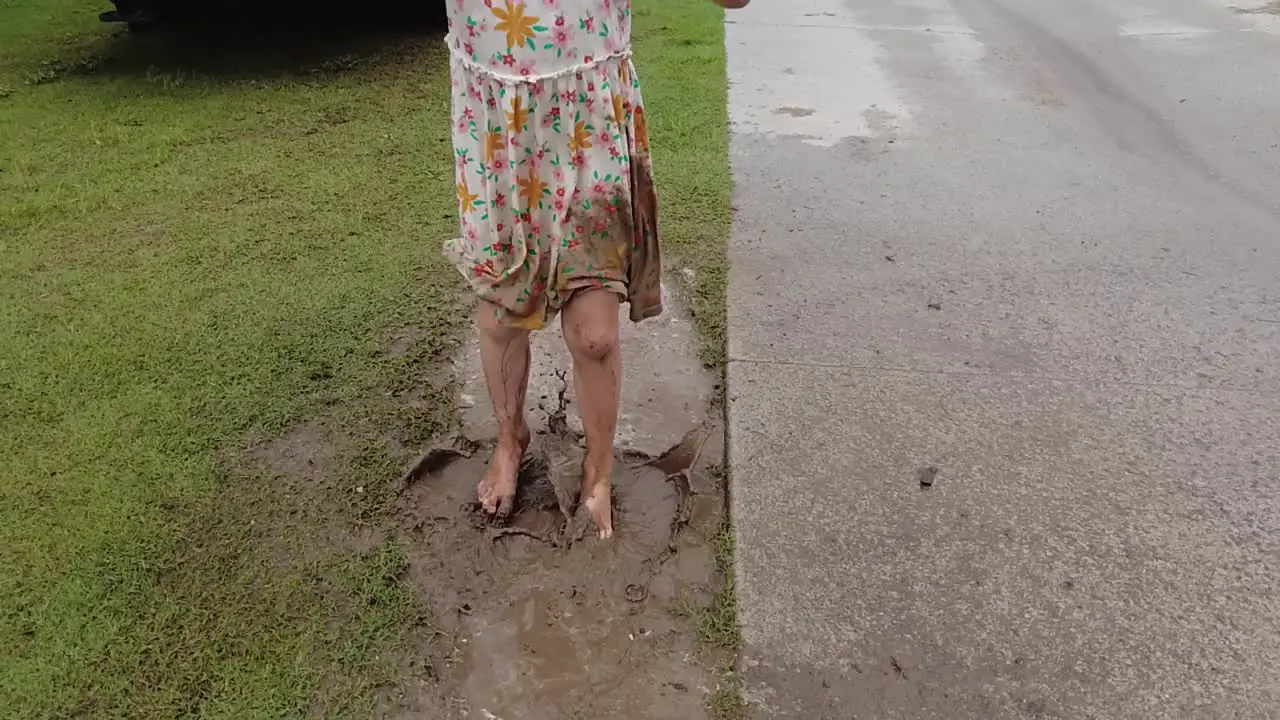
[1034, 244]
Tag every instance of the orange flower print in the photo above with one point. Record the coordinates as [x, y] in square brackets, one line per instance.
[642, 130]
[520, 28]
[619, 109]
[466, 200]
[580, 139]
[518, 115]
[493, 144]
[531, 188]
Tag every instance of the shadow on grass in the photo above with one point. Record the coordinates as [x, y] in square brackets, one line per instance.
[284, 40]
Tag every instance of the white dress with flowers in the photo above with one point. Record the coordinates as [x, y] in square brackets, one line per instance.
[554, 185]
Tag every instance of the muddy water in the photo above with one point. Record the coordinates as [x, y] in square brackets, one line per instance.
[537, 618]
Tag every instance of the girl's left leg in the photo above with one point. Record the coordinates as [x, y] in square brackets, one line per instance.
[590, 323]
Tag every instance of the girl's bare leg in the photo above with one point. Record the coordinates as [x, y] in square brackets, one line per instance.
[590, 325]
[504, 354]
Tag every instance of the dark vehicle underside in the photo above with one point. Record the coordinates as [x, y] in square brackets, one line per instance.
[142, 13]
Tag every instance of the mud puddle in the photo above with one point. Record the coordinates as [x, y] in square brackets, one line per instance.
[537, 618]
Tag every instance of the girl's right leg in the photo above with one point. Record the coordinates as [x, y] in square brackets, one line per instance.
[504, 354]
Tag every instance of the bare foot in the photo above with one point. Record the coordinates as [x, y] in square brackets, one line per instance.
[497, 489]
[597, 490]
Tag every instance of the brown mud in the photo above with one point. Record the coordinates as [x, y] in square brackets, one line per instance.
[535, 617]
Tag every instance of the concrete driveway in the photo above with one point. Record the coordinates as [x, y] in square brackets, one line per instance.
[1033, 245]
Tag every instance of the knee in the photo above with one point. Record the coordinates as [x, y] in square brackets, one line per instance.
[592, 340]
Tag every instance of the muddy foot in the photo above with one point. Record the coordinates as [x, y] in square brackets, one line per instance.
[597, 489]
[496, 491]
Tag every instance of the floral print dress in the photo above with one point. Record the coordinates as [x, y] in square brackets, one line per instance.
[555, 193]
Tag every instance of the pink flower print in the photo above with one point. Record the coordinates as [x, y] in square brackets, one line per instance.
[525, 69]
[559, 206]
[555, 112]
[509, 60]
[472, 233]
[497, 166]
[499, 200]
[613, 152]
[535, 229]
[469, 113]
[589, 23]
[566, 97]
[601, 227]
[562, 38]
[551, 4]
[463, 161]
[598, 188]
[605, 137]
[573, 243]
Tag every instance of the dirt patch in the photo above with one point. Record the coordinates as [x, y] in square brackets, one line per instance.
[1271, 8]
[536, 618]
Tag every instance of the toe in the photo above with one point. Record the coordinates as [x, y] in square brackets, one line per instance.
[504, 506]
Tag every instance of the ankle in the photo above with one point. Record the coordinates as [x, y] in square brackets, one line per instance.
[598, 463]
[513, 443]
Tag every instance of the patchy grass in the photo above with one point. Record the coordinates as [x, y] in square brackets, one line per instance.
[717, 621]
[203, 241]
[206, 240]
[718, 627]
[726, 703]
[679, 46]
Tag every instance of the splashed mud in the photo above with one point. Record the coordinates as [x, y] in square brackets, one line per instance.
[536, 618]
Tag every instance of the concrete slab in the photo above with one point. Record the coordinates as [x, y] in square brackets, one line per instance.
[665, 390]
[1054, 277]
[1087, 550]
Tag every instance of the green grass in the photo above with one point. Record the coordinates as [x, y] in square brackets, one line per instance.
[679, 46]
[196, 250]
[204, 244]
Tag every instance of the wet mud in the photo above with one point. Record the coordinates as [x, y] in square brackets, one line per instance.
[533, 616]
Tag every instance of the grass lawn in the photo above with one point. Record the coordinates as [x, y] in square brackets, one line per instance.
[205, 245]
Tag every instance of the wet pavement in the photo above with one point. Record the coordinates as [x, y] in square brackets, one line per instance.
[1004, 379]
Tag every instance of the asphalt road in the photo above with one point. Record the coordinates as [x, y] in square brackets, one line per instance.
[1034, 245]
